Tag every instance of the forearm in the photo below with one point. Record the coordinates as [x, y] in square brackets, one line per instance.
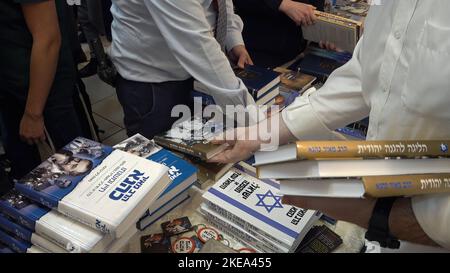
[44, 60]
[403, 224]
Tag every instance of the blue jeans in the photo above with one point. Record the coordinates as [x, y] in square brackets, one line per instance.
[148, 106]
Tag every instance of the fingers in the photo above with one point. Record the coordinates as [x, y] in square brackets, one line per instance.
[230, 156]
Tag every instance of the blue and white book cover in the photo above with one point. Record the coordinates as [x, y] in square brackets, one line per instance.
[155, 215]
[181, 173]
[114, 195]
[138, 145]
[63, 231]
[258, 204]
[60, 174]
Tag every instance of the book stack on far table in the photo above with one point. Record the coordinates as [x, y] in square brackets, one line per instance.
[87, 197]
[262, 84]
[358, 169]
[250, 211]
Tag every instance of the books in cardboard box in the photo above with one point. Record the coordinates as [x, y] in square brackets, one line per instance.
[256, 205]
[104, 189]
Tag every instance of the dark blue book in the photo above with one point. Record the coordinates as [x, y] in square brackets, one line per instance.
[14, 243]
[317, 66]
[258, 80]
[4, 249]
[21, 209]
[8, 224]
[182, 174]
[56, 177]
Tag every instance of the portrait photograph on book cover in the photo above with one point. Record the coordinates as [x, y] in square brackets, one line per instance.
[61, 172]
[138, 145]
[196, 131]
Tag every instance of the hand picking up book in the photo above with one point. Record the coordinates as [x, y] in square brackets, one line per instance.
[358, 169]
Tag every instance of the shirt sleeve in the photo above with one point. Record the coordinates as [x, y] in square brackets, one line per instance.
[184, 26]
[338, 103]
[433, 214]
[235, 27]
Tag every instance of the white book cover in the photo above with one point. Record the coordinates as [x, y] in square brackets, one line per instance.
[116, 193]
[247, 237]
[257, 203]
[62, 230]
[46, 244]
[36, 250]
[77, 237]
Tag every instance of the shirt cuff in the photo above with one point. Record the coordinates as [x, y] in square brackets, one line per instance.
[234, 39]
[302, 121]
[433, 215]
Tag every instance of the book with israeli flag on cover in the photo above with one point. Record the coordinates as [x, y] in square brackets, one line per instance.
[106, 189]
[256, 206]
[63, 231]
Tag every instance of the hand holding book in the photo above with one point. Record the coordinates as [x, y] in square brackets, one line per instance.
[301, 14]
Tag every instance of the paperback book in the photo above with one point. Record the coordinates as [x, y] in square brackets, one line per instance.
[63, 231]
[255, 205]
[106, 190]
[193, 137]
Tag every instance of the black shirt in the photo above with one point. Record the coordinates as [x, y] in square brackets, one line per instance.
[16, 43]
[270, 36]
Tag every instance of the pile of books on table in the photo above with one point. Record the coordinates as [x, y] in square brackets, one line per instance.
[89, 197]
[358, 169]
[262, 84]
[251, 211]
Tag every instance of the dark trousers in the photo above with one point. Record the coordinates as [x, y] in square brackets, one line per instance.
[148, 106]
[60, 120]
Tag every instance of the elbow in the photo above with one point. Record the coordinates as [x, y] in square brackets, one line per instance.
[50, 43]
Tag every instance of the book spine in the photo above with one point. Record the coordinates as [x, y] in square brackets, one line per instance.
[89, 220]
[15, 229]
[15, 244]
[406, 185]
[371, 149]
[179, 147]
[17, 216]
[46, 231]
[255, 231]
[244, 238]
[36, 196]
[46, 244]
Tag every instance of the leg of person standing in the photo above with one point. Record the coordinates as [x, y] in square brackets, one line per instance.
[148, 106]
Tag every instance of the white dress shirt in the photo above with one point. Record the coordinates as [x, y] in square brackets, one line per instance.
[172, 40]
[400, 77]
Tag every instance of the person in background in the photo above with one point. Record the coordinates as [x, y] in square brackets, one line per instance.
[399, 76]
[37, 76]
[159, 46]
[272, 28]
[90, 17]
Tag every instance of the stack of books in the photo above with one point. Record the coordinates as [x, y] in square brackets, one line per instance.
[85, 198]
[182, 174]
[263, 84]
[319, 62]
[339, 30]
[192, 137]
[358, 169]
[250, 211]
